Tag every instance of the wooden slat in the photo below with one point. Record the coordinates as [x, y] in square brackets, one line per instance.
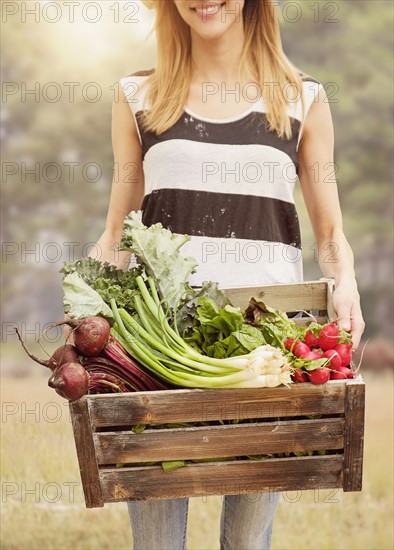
[354, 435]
[286, 297]
[330, 306]
[219, 441]
[86, 454]
[222, 478]
[162, 407]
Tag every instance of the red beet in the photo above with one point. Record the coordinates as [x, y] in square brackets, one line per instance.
[311, 340]
[329, 336]
[65, 354]
[70, 381]
[320, 375]
[91, 336]
[334, 357]
[299, 376]
[345, 353]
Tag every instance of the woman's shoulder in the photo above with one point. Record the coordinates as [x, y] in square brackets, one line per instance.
[144, 73]
[310, 85]
[133, 88]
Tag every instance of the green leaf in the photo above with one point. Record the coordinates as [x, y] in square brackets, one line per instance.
[81, 301]
[138, 428]
[157, 250]
[187, 313]
[108, 281]
[169, 466]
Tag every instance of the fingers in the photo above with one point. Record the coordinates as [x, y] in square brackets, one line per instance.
[349, 316]
[357, 327]
[343, 309]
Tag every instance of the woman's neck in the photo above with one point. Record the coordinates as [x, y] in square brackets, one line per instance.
[217, 60]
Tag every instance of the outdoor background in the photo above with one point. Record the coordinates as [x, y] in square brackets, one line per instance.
[61, 64]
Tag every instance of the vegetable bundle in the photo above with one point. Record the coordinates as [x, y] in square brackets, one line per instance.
[147, 329]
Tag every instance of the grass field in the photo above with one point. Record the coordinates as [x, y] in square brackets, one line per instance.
[43, 507]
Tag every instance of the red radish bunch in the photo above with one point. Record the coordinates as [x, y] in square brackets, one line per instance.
[311, 340]
[321, 375]
[329, 336]
[321, 342]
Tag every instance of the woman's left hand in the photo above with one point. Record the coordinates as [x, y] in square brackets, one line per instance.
[346, 301]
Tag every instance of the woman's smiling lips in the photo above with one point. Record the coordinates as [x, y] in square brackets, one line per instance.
[207, 9]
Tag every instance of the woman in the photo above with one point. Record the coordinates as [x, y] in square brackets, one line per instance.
[209, 144]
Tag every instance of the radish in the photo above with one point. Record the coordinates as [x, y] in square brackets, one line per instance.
[320, 375]
[311, 340]
[289, 343]
[329, 336]
[300, 349]
[312, 356]
[345, 353]
[70, 381]
[340, 373]
[334, 357]
[299, 376]
[65, 354]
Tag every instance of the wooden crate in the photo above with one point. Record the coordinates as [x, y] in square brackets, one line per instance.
[303, 417]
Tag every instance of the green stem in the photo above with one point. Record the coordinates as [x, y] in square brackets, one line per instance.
[204, 365]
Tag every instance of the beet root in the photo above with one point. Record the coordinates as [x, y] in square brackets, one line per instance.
[70, 381]
[91, 336]
[65, 354]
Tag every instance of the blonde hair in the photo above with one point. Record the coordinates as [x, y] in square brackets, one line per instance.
[262, 57]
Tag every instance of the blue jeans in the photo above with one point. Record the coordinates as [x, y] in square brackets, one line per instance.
[245, 522]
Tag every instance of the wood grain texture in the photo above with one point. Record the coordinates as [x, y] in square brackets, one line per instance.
[222, 478]
[219, 441]
[354, 435]
[86, 453]
[202, 405]
[286, 297]
[330, 306]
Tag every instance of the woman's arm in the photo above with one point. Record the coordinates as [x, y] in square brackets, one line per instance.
[127, 187]
[128, 183]
[316, 174]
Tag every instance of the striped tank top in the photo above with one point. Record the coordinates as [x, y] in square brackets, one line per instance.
[228, 183]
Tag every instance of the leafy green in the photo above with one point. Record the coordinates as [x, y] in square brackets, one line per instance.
[222, 332]
[187, 313]
[170, 465]
[80, 300]
[108, 281]
[258, 313]
[157, 250]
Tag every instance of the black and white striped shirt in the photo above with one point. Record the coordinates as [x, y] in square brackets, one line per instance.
[228, 183]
